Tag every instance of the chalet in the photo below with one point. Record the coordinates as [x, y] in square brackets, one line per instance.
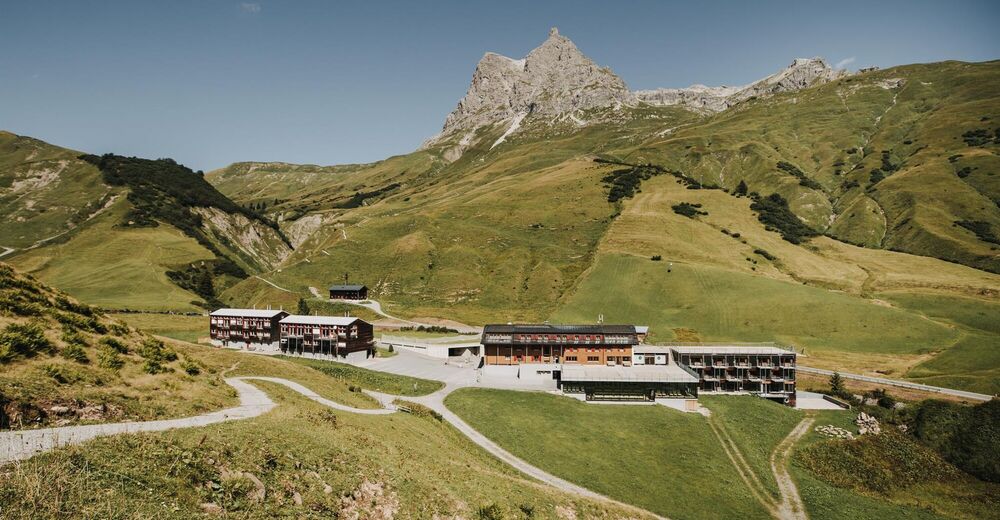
[333, 336]
[250, 329]
[348, 292]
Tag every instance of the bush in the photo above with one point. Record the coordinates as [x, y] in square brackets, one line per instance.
[981, 228]
[190, 368]
[656, 258]
[491, 512]
[75, 352]
[774, 213]
[153, 366]
[765, 254]
[967, 436]
[114, 344]
[876, 463]
[109, 357]
[688, 209]
[23, 341]
[624, 183]
[154, 350]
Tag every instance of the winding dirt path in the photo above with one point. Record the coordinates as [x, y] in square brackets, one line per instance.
[21, 445]
[746, 473]
[791, 506]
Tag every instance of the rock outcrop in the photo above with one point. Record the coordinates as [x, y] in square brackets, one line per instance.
[802, 73]
[552, 80]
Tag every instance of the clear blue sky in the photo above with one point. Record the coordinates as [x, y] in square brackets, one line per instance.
[212, 82]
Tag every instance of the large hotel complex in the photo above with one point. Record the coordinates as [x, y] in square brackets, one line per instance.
[595, 362]
[609, 362]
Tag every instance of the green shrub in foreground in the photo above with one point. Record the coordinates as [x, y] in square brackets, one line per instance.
[23, 341]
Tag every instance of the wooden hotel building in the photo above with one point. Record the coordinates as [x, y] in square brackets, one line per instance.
[251, 329]
[584, 344]
[334, 336]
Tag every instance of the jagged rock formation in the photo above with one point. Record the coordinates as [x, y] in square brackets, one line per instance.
[802, 73]
[554, 79]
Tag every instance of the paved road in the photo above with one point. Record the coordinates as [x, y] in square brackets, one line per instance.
[376, 307]
[20, 445]
[898, 383]
[6, 251]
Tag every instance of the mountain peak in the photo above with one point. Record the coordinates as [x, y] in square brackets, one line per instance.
[554, 78]
[801, 73]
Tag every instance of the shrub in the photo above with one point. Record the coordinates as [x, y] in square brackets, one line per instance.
[876, 463]
[154, 350]
[741, 189]
[765, 254]
[109, 357]
[624, 183]
[981, 228]
[153, 366]
[837, 387]
[23, 341]
[114, 344]
[491, 512]
[656, 258]
[190, 368]
[75, 352]
[688, 209]
[967, 436]
[774, 213]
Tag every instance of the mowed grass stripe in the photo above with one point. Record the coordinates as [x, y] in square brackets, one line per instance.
[661, 460]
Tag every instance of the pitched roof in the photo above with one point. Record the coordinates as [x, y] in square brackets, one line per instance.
[248, 313]
[298, 319]
[558, 329]
[347, 287]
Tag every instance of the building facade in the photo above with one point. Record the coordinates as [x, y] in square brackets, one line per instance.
[348, 292]
[765, 370]
[565, 344]
[332, 336]
[250, 329]
[611, 362]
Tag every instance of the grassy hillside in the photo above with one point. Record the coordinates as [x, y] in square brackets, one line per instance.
[124, 232]
[609, 446]
[45, 191]
[311, 463]
[884, 159]
[63, 362]
[119, 268]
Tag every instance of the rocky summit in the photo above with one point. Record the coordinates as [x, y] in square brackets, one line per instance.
[555, 79]
[802, 73]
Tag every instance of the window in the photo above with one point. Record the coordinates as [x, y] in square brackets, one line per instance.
[570, 359]
[593, 359]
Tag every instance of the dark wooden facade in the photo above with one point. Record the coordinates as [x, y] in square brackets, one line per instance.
[245, 327]
[348, 292]
[583, 344]
[326, 335]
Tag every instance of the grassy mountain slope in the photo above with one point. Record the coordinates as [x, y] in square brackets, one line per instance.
[534, 227]
[63, 362]
[45, 191]
[125, 232]
[877, 159]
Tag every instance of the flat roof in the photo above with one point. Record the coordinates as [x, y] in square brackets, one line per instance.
[639, 374]
[346, 287]
[298, 319]
[641, 329]
[247, 313]
[731, 349]
[545, 328]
